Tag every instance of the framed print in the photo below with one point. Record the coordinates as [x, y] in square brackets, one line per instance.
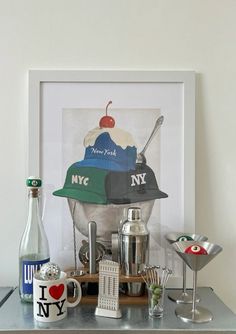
[67, 137]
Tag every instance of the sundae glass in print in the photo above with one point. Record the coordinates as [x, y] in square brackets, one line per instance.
[107, 217]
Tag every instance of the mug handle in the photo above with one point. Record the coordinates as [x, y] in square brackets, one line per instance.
[79, 291]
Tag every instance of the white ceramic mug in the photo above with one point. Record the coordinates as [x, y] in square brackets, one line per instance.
[50, 298]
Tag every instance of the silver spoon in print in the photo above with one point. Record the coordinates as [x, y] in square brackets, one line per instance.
[141, 156]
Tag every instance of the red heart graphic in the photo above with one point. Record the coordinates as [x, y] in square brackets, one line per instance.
[56, 291]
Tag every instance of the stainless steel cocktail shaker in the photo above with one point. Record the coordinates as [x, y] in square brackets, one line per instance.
[134, 248]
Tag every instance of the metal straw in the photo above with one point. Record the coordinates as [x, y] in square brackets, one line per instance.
[151, 275]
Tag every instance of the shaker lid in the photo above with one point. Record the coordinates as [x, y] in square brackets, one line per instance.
[134, 213]
[134, 224]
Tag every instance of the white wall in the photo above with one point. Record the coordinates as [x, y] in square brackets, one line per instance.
[107, 34]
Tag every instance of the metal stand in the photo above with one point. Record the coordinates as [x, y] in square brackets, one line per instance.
[183, 297]
[193, 313]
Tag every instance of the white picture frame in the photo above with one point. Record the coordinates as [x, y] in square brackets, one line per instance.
[62, 83]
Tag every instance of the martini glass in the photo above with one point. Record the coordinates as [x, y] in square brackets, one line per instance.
[183, 296]
[193, 313]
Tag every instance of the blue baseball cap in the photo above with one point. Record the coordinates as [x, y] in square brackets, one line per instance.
[105, 154]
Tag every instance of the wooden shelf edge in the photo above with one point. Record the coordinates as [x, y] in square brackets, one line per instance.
[123, 300]
[93, 278]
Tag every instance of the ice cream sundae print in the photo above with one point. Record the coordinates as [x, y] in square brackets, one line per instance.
[109, 178]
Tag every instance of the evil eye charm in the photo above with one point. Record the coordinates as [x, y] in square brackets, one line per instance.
[196, 250]
[184, 238]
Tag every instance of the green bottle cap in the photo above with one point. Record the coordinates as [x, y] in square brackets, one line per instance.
[34, 182]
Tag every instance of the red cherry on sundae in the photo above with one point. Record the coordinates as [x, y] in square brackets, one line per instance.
[107, 121]
[196, 249]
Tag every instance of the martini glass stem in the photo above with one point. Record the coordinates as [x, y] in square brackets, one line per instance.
[184, 277]
[194, 290]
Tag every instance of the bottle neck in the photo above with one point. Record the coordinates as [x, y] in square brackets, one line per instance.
[34, 193]
[33, 215]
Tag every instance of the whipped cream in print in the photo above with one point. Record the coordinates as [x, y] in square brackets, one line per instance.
[119, 137]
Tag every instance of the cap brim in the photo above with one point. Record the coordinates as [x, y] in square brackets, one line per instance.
[138, 197]
[104, 164]
[83, 196]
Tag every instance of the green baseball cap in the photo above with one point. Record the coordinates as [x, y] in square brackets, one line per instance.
[86, 184]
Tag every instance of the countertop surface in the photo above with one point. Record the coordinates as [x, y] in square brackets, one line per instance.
[16, 316]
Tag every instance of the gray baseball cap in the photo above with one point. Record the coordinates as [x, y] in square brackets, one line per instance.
[133, 186]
